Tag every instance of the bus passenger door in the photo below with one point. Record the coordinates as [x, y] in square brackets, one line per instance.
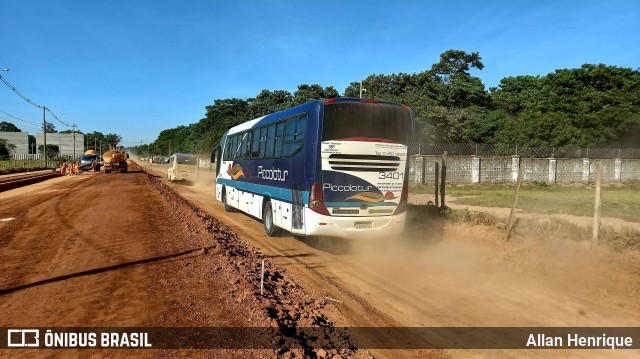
[297, 210]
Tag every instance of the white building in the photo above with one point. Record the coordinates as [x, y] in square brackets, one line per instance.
[18, 139]
[65, 141]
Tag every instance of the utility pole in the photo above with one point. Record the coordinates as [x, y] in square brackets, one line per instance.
[361, 89]
[74, 143]
[44, 128]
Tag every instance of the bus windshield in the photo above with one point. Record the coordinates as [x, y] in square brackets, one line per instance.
[344, 120]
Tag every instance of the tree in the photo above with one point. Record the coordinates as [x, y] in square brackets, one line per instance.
[457, 63]
[4, 151]
[308, 93]
[32, 144]
[588, 106]
[112, 139]
[445, 98]
[71, 131]
[52, 150]
[269, 102]
[51, 128]
[8, 127]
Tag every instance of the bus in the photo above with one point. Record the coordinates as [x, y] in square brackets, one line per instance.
[336, 168]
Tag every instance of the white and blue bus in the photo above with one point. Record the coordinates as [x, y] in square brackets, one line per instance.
[336, 167]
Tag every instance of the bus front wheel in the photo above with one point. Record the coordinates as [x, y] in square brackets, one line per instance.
[227, 207]
[267, 217]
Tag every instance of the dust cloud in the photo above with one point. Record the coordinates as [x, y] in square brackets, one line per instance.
[458, 274]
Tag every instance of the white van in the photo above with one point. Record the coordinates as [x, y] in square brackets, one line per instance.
[183, 166]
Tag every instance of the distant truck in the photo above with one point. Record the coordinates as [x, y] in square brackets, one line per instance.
[115, 159]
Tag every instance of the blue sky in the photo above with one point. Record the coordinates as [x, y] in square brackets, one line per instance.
[137, 67]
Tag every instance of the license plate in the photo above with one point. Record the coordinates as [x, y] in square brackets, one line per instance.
[363, 225]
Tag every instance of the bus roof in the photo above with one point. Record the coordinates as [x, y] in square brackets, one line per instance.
[305, 107]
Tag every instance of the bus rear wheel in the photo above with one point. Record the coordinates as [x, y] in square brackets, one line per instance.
[267, 217]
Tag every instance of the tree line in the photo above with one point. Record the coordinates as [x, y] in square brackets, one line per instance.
[590, 106]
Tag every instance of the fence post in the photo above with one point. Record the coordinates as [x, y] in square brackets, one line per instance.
[424, 169]
[437, 177]
[617, 170]
[515, 165]
[596, 207]
[475, 169]
[586, 170]
[515, 201]
[553, 166]
[444, 179]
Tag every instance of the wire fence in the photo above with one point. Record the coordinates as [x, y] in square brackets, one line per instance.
[483, 149]
[34, 161]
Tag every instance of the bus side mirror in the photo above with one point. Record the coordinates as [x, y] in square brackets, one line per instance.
[215, 158]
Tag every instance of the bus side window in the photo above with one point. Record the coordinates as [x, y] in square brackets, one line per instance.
[240, 150]
[234, 151]
[294, 135]
[301, 128]
[232, 148]
[288, 137]
[263, 141]
[238, 146]
[255, 144]
[227, 151]
[271, 136]
[246, 143]
[277, 153]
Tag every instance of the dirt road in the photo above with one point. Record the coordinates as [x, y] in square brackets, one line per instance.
[74, 251]
[458, 276]
[110, 250]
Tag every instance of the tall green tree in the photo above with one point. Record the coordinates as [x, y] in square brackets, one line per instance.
[269, 102]
[8, 127]
[50, 128]
[306, 93]
[52, 150]
[593, 105]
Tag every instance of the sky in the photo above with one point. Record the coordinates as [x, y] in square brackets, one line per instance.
[137, 67]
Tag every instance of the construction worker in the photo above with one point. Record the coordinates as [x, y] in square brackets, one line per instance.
[63, 168]
[93, 166]
[76, 168]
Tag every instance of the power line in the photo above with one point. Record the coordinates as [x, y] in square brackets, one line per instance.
[33, 103]
[19, 94]
[19, 119]
[28, 127]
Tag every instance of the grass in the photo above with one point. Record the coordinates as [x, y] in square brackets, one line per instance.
[619, 201]
[617, 239]
[13, 166]
[466, 216]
